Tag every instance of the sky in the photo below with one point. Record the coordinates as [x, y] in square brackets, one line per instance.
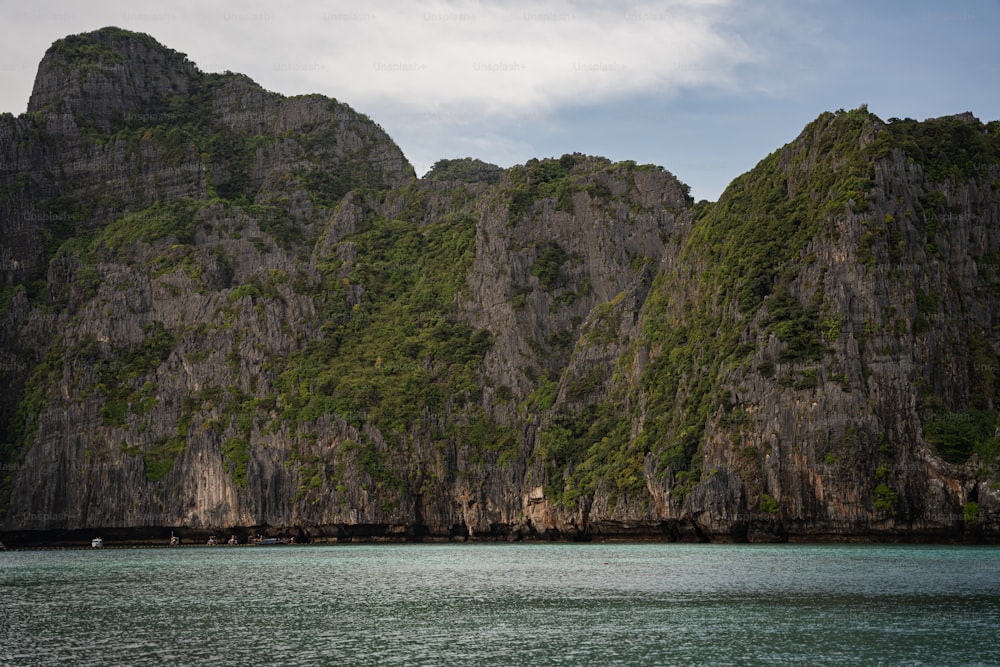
[704, 88]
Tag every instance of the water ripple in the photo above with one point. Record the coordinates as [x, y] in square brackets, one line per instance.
[489, 604]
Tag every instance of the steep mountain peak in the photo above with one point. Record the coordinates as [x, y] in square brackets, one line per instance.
[122, 113]
[850, 130]
[109, 73]
[107, 43]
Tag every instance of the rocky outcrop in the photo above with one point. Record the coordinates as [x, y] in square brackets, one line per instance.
[224, 309]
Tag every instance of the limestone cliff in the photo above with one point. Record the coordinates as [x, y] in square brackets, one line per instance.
[224, 309]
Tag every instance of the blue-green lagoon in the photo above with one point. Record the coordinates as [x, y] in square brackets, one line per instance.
[503, 604]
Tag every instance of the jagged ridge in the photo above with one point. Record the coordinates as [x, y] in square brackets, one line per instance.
[229, 309]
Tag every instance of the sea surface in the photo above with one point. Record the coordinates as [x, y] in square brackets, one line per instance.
[503, 604]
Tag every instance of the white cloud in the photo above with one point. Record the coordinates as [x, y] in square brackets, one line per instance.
[513, 58]
[446, 79]
[490, 57]
[484, 58]
[505, 81]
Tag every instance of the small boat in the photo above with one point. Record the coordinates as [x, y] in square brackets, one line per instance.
[97, 543]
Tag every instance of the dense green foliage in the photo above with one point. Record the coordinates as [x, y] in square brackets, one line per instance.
[120, 373]
[99, 48]
[948, 148]
[401, 350]
[542, 179]
[548, 267]
[958, 435]
[465, 170]
[590, 449]
[236, 453]
[174, 221]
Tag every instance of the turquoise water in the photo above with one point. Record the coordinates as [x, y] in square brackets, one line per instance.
[503, 604]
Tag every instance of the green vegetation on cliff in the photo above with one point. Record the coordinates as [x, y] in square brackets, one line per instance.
[746, 249]
[399, 350]
[259, 284]
[955, 147]
[466, 170]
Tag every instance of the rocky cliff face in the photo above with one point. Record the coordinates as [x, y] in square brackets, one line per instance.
[228, 310]
[855, 394]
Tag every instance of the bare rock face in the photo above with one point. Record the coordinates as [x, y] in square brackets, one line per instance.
[537, 278]
[224, 309]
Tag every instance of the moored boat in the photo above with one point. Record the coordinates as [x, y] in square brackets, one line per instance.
[97, 543]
